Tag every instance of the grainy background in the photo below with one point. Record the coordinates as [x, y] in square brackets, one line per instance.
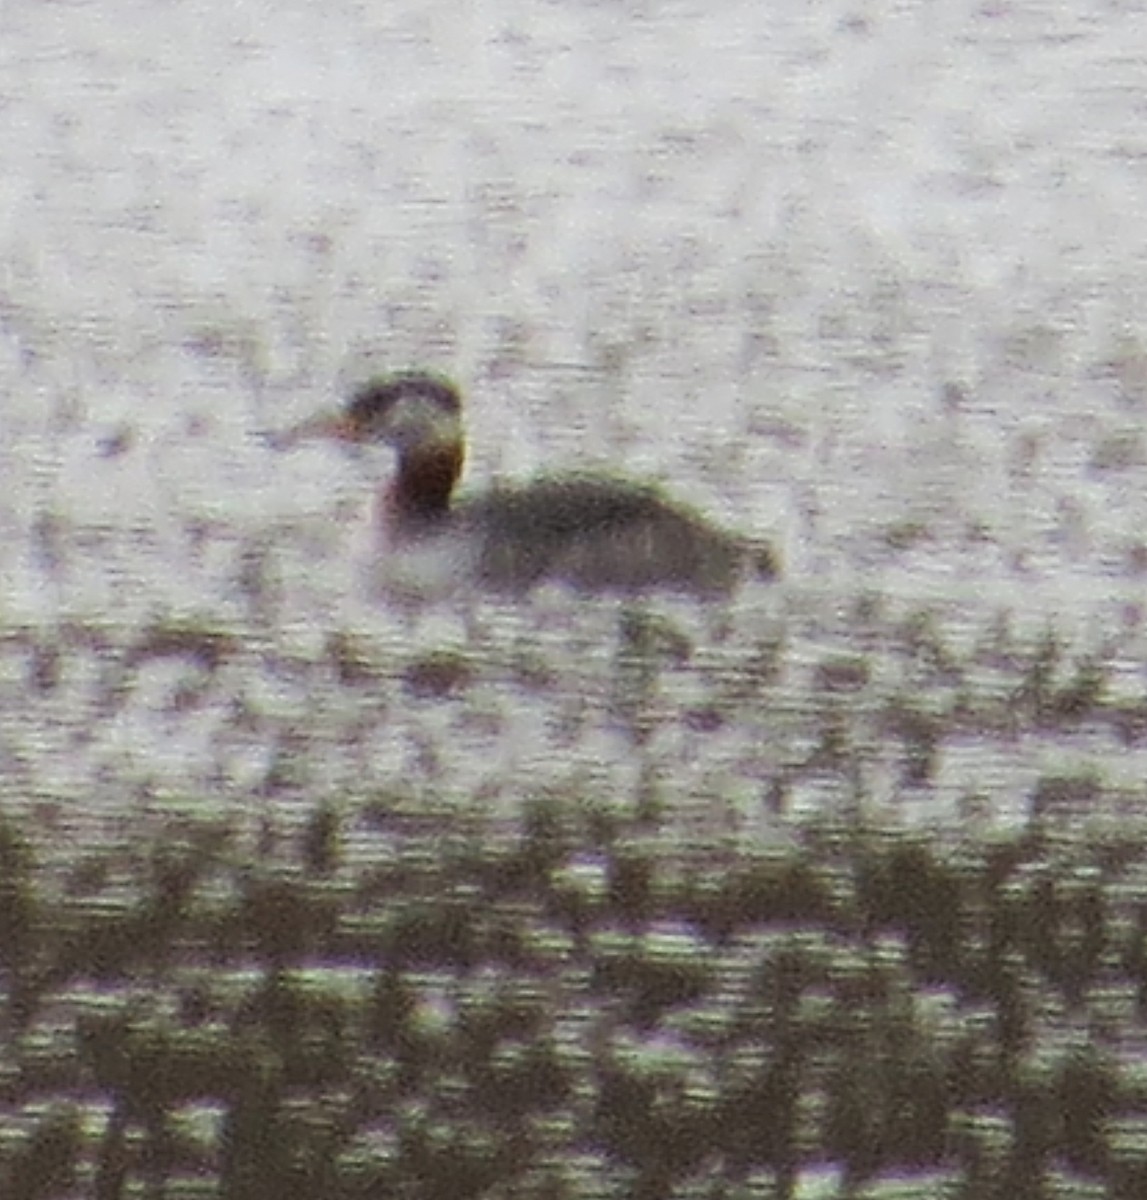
[587, 899]
[867, 278]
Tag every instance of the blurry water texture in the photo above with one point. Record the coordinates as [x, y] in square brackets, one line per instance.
[865, 279]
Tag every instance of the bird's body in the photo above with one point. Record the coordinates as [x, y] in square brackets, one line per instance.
[590, 533]
[597, 534]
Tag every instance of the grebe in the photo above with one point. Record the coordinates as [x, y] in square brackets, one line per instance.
[590, 533]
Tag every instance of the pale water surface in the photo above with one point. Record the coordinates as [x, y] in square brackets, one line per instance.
[867, 278]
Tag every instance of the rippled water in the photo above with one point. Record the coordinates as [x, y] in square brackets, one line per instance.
[865, 278]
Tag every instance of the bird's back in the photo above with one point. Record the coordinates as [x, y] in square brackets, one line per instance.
[599, 534]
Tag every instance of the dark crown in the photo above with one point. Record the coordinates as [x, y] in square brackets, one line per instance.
[377, 396]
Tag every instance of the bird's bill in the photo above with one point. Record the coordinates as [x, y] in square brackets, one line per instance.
[331, 426]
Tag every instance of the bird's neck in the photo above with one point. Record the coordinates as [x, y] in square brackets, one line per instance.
[420, 493]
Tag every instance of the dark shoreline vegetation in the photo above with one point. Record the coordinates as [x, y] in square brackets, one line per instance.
[569, 1012]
